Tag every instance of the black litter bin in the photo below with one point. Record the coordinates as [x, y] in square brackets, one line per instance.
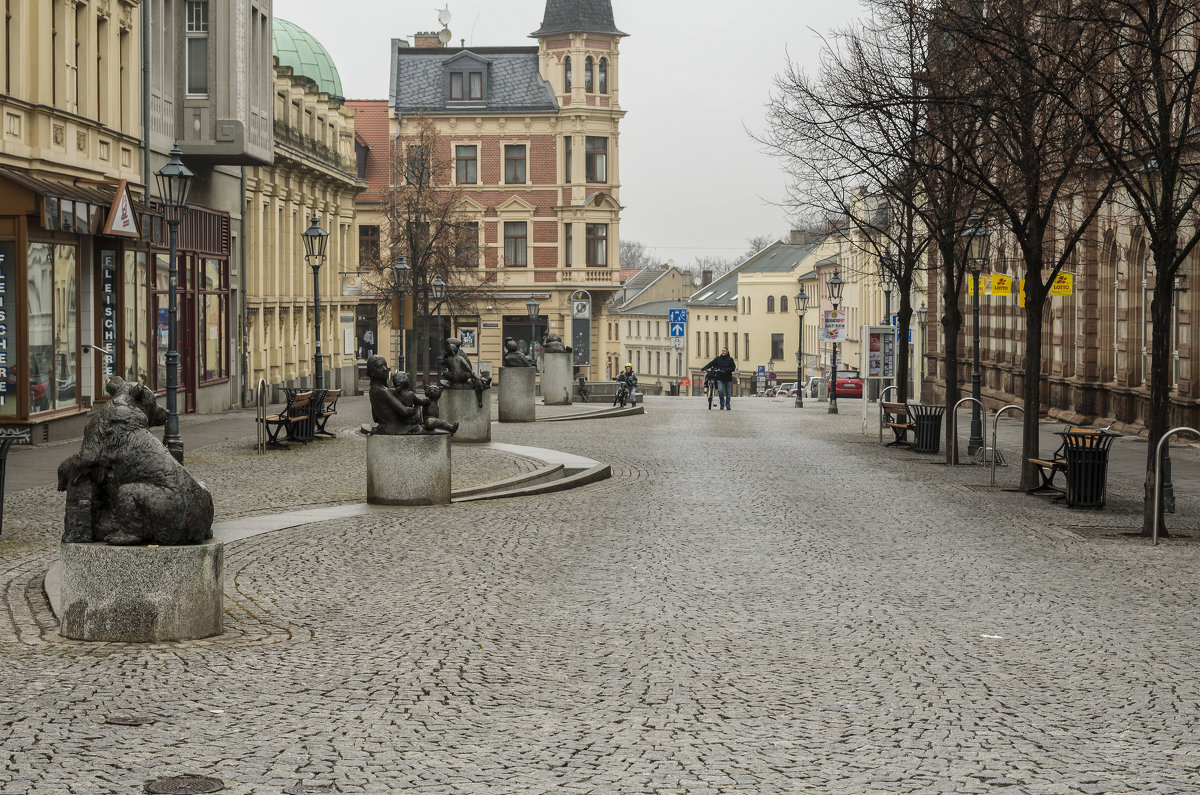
[1087, 467]
[927, 430]
[674, 390]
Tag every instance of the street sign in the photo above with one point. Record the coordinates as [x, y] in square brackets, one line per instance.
[835, 326]
[581, 309]
[677, 343]
[677, 329]
[677, 315]
[762, 371]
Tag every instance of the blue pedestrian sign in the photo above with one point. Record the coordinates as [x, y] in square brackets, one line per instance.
[676, 316]
[676, 329]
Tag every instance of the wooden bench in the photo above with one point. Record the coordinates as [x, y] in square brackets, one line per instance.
[326, 410]
[295, 412]
[895, 416]
[1048, 468]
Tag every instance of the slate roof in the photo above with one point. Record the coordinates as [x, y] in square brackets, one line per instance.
[578, 16]
[775, 258]
[652, 308]
[371, 124]
[514, 84]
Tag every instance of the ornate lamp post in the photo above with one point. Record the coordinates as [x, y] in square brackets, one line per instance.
[770, 371]
[801, 307]
[403, 275]
[887, 280]
[834, 285]
[315, 240]
[533, 308]
[437, 290]
[976, 237]
[174, 181]
[922, 318]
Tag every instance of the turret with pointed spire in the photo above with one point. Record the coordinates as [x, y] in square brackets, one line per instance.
[578, 16]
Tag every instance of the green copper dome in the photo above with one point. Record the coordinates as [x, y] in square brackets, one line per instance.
[294, 47]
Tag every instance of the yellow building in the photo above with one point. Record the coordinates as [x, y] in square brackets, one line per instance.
[314, 174]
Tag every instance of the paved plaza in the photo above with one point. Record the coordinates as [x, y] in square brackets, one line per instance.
[761, 601]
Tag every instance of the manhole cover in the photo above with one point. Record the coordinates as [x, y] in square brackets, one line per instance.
[184, 785]
[307, 789]
[128, 720]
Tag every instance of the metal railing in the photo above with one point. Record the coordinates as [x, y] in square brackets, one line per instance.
[954, 423]
[1158, 468]
[995, 425]
[260, 416]
[882, 395]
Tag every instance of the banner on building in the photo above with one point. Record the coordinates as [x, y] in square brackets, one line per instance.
[1064, 284]
[1001, 284]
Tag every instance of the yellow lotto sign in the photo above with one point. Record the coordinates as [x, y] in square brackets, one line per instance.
[971, 285]
[1064, 284]
[1022, 293]
[1001, 284]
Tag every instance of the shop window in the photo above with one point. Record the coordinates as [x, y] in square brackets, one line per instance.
[9, 393]
[53, 306]
[136, 317]
[213, 311]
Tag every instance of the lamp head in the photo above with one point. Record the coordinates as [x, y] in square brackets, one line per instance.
[315, 240]
[403, 273]
[533, 306]
[174, 181]
[437, 288]
[801, 301]
[835, 286]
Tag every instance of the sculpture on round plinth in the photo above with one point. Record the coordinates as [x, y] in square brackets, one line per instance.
[513, 357]
[123, 486]
[554, 344]
[457, 372]
[396, 409]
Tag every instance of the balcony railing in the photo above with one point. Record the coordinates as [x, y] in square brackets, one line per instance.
[319, 151]
[567, 277]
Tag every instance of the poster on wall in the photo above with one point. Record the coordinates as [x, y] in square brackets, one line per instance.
[470, 339]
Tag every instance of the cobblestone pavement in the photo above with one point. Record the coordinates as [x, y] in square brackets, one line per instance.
[758, 601]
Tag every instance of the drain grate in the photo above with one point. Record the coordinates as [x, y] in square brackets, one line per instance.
[184, 785]
[129, 720]
[307, 789]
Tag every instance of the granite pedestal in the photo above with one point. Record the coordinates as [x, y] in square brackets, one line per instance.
[517, 394]
[409, 470]
[556, 379]
[142, 594]
[474, 421]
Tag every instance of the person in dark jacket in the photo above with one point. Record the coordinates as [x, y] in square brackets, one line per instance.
[722, 369]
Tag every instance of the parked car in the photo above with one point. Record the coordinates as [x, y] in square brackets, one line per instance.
[786, 390]
[849, 384]
[813, 388]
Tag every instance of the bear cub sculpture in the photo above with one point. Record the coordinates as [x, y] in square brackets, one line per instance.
[123, 486]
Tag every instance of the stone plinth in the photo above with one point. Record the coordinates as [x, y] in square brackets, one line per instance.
[516, 394]
[556, 379]
[474, 421]
[142, 594]
[409, 470]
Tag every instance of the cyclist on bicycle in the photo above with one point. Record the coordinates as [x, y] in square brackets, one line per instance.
[629, 379]
[721, 368]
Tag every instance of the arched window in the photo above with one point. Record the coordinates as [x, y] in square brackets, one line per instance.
[587, 74]
[567, 64]
[603, 76]
[783, 303]
[770, 303]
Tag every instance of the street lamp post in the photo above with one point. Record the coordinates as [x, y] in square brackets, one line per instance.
[174, 181]
[922, 318]
[437, 289]
[976, 238]
[770, 372]
[834, 285]
[801, 308]
[533, 307]
[315, 240]
[403, 275]
[887, 280]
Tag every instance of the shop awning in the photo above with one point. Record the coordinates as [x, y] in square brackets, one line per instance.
[77, 205]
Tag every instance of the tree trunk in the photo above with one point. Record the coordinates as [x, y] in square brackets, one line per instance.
[952, 321]
[1160, 385]
[902, 345]
[1031, 390]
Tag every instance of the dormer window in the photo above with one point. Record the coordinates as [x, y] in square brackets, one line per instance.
[466, 86]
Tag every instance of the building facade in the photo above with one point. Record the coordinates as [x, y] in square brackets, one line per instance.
[533, 133]
[314, 174]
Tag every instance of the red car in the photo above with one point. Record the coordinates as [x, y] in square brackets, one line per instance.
[849, 384]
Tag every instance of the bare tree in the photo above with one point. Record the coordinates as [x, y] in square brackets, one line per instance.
[426, 228]
[1014, 62]
[635, 255]
[1147, 86]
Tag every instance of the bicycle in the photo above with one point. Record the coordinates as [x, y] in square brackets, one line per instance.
[710, 388]
[622, 396]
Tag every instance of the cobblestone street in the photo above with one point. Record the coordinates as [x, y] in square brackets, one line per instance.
[761, 601]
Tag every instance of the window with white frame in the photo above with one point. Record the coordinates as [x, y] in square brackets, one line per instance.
[466, 164]
[196, 46]
[516, 253]
[597, 244]
[514, 164]
[596, 159]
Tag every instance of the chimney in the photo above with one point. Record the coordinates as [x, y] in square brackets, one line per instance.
[426, 40]
[705, 278]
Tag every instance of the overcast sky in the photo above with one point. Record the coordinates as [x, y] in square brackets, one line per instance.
[694, 77]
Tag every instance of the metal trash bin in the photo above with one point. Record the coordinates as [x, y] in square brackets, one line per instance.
[7, 440]
[927, 427]
[1086, 453]
[674, 390]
